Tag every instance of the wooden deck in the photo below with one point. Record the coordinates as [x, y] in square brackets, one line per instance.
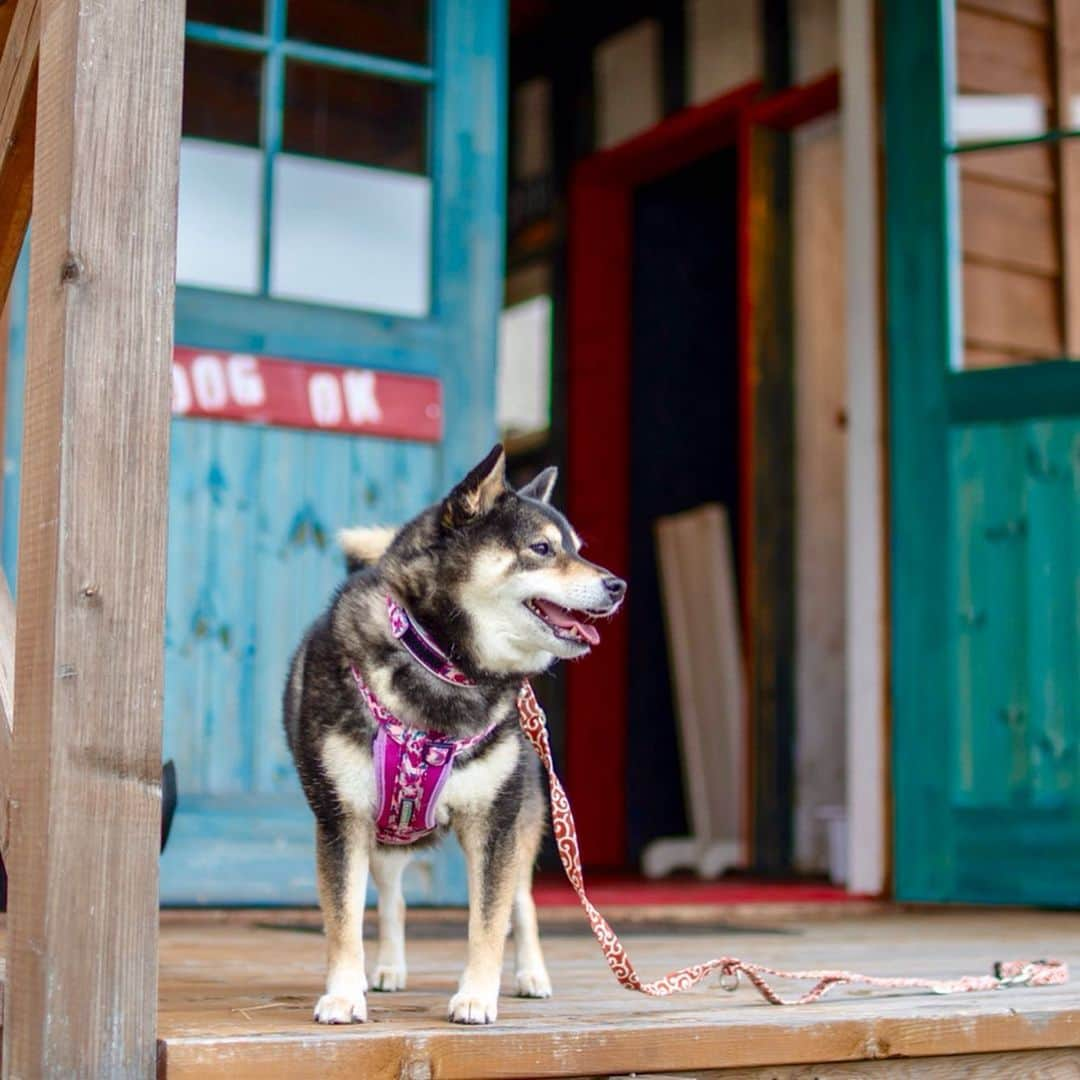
[237, 991]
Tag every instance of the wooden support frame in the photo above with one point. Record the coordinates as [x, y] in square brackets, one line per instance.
[81, 768]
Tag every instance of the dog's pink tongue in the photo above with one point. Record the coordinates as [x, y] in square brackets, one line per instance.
[560, 617]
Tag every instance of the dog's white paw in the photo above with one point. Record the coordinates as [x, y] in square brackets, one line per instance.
[533, 983]
[470, 1007]
[335, 1009]
[388, 977]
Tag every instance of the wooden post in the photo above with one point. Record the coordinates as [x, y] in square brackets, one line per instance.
[81, 994]
[770, 568]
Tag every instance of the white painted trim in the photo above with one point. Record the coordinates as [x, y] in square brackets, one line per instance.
[867, 756]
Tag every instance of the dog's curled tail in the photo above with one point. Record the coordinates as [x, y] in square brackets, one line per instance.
[364, 544]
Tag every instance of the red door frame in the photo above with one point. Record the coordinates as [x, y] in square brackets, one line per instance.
[598, 403]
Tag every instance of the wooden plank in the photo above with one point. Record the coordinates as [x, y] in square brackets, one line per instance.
[1030, 168]
[1045, 1064]
[770, 570]
[1033, 12]
[18, 112]
[1012, 228]
[81, 977]
[919, 328]
[697, 577]
[865, 645]
[1004, 309]
[997, 56]
[1067, 69]
[236, 998]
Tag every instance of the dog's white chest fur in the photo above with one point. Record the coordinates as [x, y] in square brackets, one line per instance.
[470, 787]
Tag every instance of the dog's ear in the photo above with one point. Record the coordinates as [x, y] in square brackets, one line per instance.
[476, 494]
[542, 485]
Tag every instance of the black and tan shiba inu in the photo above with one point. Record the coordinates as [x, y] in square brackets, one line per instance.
[413, 673]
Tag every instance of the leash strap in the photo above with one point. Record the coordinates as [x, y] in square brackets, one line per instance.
[730, 968]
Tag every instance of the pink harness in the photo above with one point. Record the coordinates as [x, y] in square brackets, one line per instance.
[411, 765]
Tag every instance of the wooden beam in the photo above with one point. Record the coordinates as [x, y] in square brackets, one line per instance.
[82, 952]
[18, 90]
[770, 570]
[7, 14]
[866, 615]
[1067, 71]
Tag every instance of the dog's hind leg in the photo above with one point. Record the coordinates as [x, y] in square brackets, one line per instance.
[494, 864]
[387, 867]
[530, 971]
[342, 863]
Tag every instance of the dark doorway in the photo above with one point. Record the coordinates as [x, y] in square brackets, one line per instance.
[684, 441]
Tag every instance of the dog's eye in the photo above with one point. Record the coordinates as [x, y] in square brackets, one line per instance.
[542, 547]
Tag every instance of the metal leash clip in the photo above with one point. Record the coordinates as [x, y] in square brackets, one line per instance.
[1021, 978]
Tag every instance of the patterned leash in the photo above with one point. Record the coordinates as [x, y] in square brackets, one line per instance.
[1007, 974]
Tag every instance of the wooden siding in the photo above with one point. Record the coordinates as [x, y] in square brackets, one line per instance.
[253, 560]
[1016, 204]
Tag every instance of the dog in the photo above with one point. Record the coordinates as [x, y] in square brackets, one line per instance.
[400, 712]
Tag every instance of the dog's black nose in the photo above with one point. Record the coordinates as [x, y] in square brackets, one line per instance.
[616, 587]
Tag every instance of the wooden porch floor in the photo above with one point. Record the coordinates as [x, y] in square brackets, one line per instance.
[237, 991]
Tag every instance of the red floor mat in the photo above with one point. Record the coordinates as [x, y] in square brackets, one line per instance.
[550, 890]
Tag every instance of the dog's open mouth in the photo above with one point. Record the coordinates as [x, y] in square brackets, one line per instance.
[564, 623]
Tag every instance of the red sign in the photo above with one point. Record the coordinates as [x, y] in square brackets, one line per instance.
[291, 393]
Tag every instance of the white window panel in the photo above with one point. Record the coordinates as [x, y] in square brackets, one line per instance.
[978, 117]
[219, 229]
[351, 236]
[523, 388]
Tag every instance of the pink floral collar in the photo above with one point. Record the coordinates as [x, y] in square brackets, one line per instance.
[422, 649]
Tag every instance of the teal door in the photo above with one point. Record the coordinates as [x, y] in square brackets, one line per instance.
[341, 203]
[982, 192]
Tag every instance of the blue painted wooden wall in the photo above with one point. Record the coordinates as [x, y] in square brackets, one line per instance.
[1014, 565]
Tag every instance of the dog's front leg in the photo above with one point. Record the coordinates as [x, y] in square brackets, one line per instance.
[493, 864]
[342, 864]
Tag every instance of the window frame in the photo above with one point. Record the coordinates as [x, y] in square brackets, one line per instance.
[276, 50]
[952, 153]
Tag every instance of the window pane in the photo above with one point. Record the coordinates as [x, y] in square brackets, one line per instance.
[219, 228]
[235, 14]
[1010, 245]
[523, 386]
[396, 28]
[222, 91]
[359, 118]
[351, 235]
